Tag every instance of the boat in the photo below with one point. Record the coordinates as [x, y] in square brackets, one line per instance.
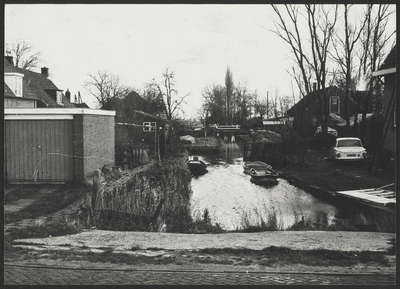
[264, 176]
[196, 165]
[257, 165]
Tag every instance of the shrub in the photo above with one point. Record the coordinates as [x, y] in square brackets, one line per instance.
[158, 197]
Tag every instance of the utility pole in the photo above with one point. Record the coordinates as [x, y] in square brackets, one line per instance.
[267, 106]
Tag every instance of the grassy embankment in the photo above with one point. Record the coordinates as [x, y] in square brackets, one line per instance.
[170, 180]
[178, 219]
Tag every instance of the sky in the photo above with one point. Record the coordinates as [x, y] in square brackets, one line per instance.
[138, 42]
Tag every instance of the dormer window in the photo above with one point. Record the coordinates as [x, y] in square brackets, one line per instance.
[59, 97]
[14, 82]
[334, 104]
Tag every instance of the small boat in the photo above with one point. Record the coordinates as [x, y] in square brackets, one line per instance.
[257, 165]
[264, 176]
[196, 165]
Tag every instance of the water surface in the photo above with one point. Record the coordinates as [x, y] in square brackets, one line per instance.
[234, 202]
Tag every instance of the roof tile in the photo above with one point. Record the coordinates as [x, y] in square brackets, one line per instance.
[35, 86]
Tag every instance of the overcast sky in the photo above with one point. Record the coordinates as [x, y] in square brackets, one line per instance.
[137, 43]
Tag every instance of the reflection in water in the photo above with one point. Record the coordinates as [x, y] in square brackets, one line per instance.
[234, 202]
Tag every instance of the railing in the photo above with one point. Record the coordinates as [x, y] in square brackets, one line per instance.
[227, 127]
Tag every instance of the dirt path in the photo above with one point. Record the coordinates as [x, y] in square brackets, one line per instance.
[296, 240]
[243, 251]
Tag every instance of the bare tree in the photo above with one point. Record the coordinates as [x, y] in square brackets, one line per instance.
[105, 86]
[23, 56]
[311, 59]
[243, 101]
[285, 102]
[203, 115]
[214, 103]
[289, 31]
[375, 39]
[260, 107]
[229, 86]
[321, 26]
[345, 53]
[168, 94]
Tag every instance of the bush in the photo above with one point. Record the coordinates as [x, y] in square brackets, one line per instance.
[158, 197]
[205, 226]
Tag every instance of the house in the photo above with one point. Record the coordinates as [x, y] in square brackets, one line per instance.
[278, 124]
[47, 139]
[145, 131]
[305, 111]
[387, 71]
[27, 89]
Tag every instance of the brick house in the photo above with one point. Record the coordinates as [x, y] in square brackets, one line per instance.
[27, 89]
[304, 112]
[153, 139]
[47, 139]
[387, 71]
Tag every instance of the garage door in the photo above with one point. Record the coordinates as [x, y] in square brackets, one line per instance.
[39, 150]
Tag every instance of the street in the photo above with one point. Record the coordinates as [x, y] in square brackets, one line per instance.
[30, 275]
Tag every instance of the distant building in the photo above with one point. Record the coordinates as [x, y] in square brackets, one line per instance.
[277, 124]
[305, 111]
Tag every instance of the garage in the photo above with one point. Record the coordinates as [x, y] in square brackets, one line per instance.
[39, 150]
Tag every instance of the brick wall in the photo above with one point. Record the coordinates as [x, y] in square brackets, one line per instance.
[98, 142]
[78, 147]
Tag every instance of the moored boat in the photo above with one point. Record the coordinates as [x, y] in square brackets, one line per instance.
[257, 165]
[196, 165]
[265, 176]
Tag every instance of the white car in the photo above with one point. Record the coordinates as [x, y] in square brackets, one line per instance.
[348, 148]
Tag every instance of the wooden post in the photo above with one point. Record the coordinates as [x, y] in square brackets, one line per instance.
[96, 187]
[155, 142]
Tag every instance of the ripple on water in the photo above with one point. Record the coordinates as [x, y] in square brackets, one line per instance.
[231, 199]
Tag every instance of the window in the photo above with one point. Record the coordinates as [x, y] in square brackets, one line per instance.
[149, 126]
[18, 85]
[14, 82]
[334, 104]
[349, 143]
[59, 97]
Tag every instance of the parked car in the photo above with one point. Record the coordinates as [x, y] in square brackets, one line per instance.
[348, 148]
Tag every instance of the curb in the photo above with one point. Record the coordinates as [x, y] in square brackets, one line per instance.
[197, 271]
[325, 194]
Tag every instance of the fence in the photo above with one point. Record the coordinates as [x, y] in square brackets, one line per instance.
[131, 147]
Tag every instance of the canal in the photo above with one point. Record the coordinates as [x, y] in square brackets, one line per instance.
[235, 203]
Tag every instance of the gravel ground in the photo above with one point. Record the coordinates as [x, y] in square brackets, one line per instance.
[296, 240]
[183, 247]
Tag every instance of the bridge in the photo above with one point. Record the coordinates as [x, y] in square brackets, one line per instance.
[226, 132]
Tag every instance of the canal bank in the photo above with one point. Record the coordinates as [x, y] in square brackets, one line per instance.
[298, 251]
[235, 204]
[326, 179]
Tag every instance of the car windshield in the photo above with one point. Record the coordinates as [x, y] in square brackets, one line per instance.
[349, 143]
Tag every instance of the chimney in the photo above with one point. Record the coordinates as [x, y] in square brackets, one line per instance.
[68, 95]
[314, 85]
[45, 71]
[9, 58]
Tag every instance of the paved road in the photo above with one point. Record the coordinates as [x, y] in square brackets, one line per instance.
[20, 275]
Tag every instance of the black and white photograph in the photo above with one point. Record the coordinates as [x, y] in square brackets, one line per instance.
[200, 143]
